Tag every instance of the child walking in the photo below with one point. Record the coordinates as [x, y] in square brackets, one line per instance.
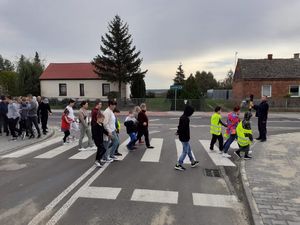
[184, 136]
[131, 128]
[97, 131]
[65, 124]
[216, 129]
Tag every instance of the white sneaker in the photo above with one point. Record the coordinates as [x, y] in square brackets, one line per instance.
[221, 152]
[109, 160]
[115, 158]
[226, 155]
[92, 148]
[82, 149]
[98, 164]
[250, 152]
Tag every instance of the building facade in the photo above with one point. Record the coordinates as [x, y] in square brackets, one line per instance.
[275, 78]
[77, 80]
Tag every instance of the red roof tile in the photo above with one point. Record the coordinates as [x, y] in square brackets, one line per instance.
[69, 71]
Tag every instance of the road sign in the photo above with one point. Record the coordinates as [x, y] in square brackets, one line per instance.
[176, 87]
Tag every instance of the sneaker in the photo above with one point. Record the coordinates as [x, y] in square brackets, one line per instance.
[221, 152]
[211, 149]
[237, 154]
[97, 163]
[226, 155]
[250, 152]
[109, 160]
[246, 157]
[179, 167]
[118, 154]
[102, 161]
[263, 140]
[82, 149]
[114, 158]
[258, 138]
[194, 164]
[39, 135]
[150, 146]
[93, 148]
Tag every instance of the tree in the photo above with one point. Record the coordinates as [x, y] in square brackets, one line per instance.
[205, 81]
[6, 65]
[8, 82]
[119, 61]
[190, 89]
[138, 86]
[227, 82]
[179, 76]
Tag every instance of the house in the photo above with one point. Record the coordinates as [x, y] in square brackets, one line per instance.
[275, 78]
[76, 80]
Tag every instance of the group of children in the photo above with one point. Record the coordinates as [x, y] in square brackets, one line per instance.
[105, 128]
[235, 129]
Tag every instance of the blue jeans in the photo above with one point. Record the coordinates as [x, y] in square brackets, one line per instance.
[228, 142]
[186, 151]
[110, 151]
[132, 140]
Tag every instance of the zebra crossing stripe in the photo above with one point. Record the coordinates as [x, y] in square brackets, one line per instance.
[100, 192]
[179, 150]
[153, 154]
[217, 158]
[59, 150]
[212, 200]
[157, 196]
[33, 148]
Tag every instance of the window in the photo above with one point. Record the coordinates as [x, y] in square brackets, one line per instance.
[62, 89]
[294, 91]
[266, 90]
[105, 89]
[81, 89]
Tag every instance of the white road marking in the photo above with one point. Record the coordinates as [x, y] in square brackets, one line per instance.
[212, 200]
[202, 125]
[173, 128]
[33, 148]
[144, 195]
[153, 154]
[179, 151]
[152, 120]
[100, 192]
[154, 131]
[196, 117]
[83, 155]
[48, 209]
[217, 158]
[177, 118]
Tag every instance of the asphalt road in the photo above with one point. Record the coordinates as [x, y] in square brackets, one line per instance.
[142, 188]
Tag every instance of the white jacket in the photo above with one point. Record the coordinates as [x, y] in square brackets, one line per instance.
[109, 120]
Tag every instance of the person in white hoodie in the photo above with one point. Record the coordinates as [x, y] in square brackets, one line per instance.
[13, 116]
[110, 125]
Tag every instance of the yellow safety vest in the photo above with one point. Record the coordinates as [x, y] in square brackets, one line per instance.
[242, 139]
[215, 126]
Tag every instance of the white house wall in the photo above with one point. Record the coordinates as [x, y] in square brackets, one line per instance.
[92, 88]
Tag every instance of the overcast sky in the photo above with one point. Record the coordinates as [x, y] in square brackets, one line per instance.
[202, 35]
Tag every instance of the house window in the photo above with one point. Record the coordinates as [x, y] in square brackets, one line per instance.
[294, 91]
[105, 89]
[62, 89]
[81, 89]
[266, 90]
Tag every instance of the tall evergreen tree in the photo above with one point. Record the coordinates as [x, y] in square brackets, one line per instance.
[190, 89]
[179, 76]
[205, 81]
[138, 87]
[119, 61]
[6, 65]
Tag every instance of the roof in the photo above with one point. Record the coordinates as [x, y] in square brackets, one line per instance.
[267, 69]
[69, 71]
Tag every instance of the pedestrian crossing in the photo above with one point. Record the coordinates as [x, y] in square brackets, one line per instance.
[159, 196]
[149, 155]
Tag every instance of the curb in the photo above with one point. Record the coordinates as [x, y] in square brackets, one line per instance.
[256, 218]
[29, 144]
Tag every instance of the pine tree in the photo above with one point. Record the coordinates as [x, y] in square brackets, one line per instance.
[6, 65]
[179, 77]
[119, 61]
[138, 87]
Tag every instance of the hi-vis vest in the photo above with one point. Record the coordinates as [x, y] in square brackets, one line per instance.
[215, 126]
[242, 139]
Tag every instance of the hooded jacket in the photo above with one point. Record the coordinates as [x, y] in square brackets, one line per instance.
[184, 124]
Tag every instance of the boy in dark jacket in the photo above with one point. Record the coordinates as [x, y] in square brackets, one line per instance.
[184, 136]
[131, 128]
[44, 111]
[97, 132]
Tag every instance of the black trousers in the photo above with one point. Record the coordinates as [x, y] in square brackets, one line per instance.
[67, 133]
[100, 151]
[4, 124]
[243, 149]
[44, 121]
[262, 128]
[34, 120]
[214, 139]
[145, 132]
[12, 123]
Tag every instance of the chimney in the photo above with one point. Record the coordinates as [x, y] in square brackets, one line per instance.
[296, 56]
[270, 56]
